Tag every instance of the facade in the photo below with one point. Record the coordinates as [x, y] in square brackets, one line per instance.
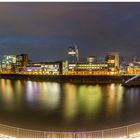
[112, 59]
[73, 54]
[8, 62]
[91, 59]
[33, 68]
[96, 68]
[22, 61]
[133, 68]
[48, 68]
[100, 60]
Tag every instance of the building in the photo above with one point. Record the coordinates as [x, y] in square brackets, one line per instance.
[8, 62]
[35, 68]
[48, 68]
[91, 59]
[73, 54]
[112, 59]
[22, 61]
[100, 60]
[134, 67]
[96, 68]
[82, 60]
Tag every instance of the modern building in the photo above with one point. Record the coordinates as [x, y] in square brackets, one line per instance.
[8, 62]
[22, 61]
[134, 67]
[82, 60]
[112, 59]
[100, 60]
[73, 54]
[96, 68]
[48, 68]
[91, 59]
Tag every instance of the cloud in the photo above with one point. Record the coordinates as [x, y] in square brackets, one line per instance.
[50, 27]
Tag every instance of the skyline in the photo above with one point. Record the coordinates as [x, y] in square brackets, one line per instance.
[44, 29]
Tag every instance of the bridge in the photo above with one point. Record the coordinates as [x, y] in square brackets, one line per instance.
[132, 81]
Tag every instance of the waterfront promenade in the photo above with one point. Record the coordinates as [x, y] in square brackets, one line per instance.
[129, 131]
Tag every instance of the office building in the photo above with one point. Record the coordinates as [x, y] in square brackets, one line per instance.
[8, 62]
[112, 59]
[73, 54]
[49, 68]
[91, 59]
[22, 61]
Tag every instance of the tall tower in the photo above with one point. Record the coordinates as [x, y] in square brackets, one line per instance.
[73, 54]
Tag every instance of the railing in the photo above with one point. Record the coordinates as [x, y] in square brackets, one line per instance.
[125, 131]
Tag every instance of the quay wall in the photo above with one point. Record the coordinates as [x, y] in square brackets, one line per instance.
[93, 79]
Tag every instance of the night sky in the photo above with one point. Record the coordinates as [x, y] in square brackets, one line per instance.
[45, 30]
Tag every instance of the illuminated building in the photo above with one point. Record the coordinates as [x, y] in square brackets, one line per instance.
[113, 61]
[50, 68]
[33, 68]
[8, 62]
[22, 61]
[100, 60]
[92, 68]
[133, 68]
[73, 57]
[91, 59]
[73, 54]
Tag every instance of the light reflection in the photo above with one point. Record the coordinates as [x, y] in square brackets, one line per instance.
[90, 98]
[114, 100]
[18, 91]
[46, 94]
[50, 95]
[133, 94]
[30, 91]
[87, 103]
[70, 102]
[7, 94]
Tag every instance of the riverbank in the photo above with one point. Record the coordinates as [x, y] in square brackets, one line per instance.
[89, 79]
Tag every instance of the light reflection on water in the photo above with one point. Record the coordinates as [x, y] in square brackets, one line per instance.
[90, 98]
[70, 102]
[68, 105]
[114, 99]
[45, 94]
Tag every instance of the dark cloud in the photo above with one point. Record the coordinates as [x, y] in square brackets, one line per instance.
[44, 30]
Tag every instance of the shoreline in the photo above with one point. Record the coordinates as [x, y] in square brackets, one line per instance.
[87, 79]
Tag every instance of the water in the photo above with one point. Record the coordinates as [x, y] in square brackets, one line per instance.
[64, 107]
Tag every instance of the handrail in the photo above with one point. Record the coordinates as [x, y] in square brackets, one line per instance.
[124, 131]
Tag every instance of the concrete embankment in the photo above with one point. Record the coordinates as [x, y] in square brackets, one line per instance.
[68, 78]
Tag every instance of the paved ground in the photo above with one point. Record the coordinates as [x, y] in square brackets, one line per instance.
[136, 135]
[5, 136]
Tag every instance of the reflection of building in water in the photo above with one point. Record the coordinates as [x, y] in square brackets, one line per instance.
[114, 100]
[90, 98]
[70, 102]
[46, 94]
[51, 96]
[7, 94]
